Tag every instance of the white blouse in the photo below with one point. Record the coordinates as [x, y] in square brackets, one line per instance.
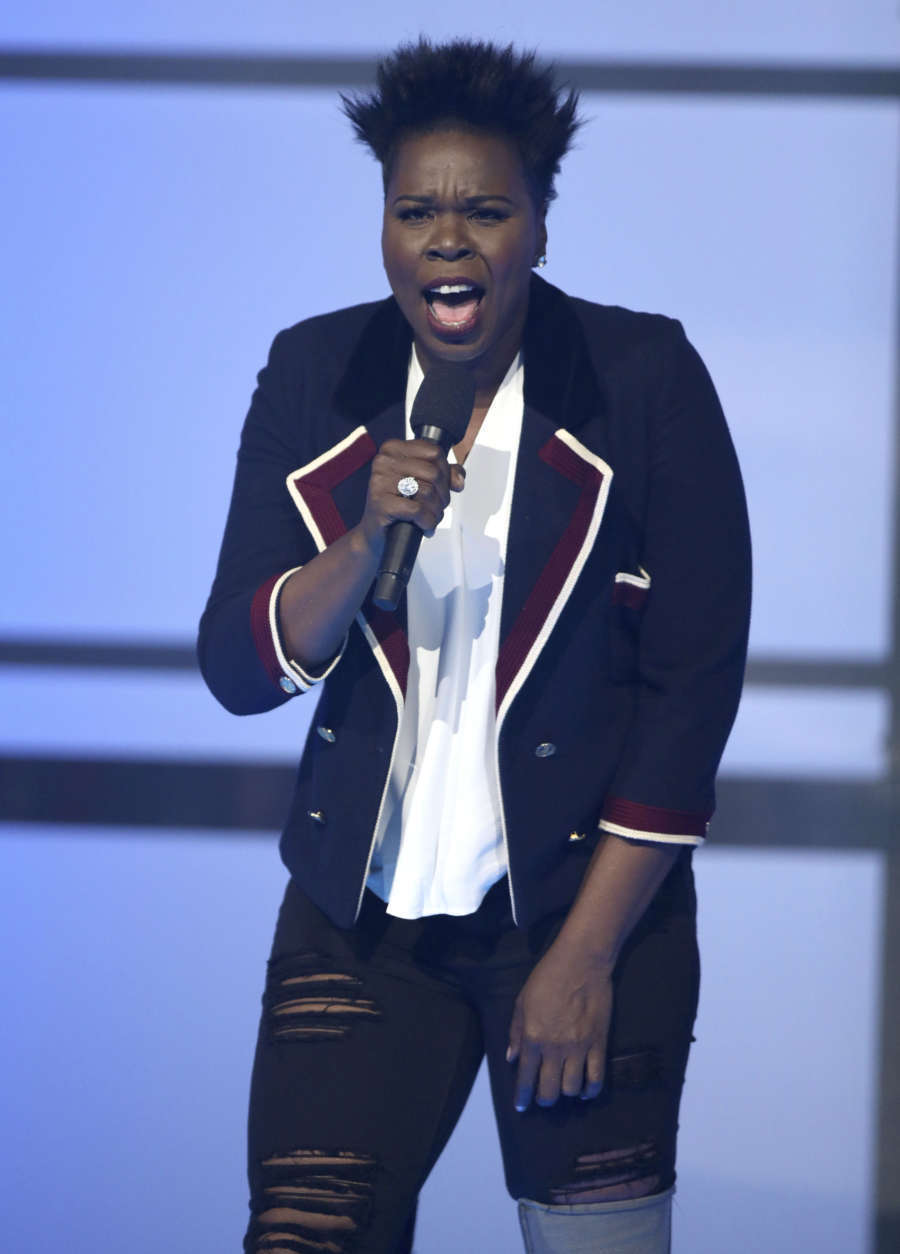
[440, 844]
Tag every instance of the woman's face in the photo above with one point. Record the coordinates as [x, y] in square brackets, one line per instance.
[460, 235]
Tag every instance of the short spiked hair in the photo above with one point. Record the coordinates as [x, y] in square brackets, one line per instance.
[424, 87]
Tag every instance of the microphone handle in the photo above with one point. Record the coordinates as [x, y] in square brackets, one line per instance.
[403, 539]
[397, 561]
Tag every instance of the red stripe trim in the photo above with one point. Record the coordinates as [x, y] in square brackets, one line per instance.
[641, 818]
[549, 584]
[316, 488]
[393, 642]
[262, 631]
[316, 485]
[629, 594]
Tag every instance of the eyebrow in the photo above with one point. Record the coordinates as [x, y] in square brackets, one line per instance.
[468, 201]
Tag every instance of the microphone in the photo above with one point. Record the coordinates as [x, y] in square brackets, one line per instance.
[441, 413]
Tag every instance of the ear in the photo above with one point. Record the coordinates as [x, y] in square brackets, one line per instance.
[541, 247]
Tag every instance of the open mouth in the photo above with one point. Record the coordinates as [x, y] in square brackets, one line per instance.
[453, 306]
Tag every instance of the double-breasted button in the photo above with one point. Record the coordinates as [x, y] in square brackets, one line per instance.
[317, 816]
[286, 684]
[545, 750]
[327, 734]
[577, 835]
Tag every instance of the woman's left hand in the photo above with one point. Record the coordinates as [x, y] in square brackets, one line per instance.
[559, 1029]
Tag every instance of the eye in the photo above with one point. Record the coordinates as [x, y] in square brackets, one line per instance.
[484, 214]
[412, 213]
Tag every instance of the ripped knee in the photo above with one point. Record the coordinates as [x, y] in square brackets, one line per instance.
[312, 1202]
[617, 1175]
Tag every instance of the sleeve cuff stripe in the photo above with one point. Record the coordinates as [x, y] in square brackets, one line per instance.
[304, 679]
[283, 671]
[664, 838]
[284, 665]
[633, 816]
[262, 634]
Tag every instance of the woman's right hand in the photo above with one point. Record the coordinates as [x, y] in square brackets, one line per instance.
[320, 600]
[424, 461]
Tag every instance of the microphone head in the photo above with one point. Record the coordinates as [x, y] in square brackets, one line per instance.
[444, 401]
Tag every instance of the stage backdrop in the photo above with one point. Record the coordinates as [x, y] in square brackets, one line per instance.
[164, 216]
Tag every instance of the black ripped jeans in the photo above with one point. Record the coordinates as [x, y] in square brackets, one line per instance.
[371, 1039]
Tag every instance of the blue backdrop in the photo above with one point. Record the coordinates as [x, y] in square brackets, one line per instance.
[154, 239]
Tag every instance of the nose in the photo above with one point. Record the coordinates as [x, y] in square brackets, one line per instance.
[448, 241]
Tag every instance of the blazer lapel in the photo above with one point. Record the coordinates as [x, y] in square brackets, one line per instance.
[560, 491]
[330, 491]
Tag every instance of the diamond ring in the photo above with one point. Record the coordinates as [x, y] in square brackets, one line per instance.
[408, 486]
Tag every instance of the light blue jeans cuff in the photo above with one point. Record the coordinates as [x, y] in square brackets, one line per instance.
[640, 1225]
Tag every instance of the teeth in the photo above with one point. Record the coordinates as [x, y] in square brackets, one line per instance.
[451, 289]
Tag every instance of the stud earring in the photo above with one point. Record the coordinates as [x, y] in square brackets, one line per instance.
[541, 261]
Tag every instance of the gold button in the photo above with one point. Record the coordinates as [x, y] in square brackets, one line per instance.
[545, 750]
[327, 734]
[287, 685]
[317, 816]
[577, 835]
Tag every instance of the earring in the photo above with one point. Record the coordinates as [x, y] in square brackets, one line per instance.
[541, 261]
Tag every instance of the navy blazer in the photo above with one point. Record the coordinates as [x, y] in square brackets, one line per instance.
[625, 601]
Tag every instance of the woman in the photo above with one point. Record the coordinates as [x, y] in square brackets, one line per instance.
[490, 840]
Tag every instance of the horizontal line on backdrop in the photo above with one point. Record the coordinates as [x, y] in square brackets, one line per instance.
[129, 655]
[179, 68]
[172, 656]
[817, 672]
[782, 813]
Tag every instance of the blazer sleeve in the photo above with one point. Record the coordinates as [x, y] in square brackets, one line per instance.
[692, 640]
[239, 644]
